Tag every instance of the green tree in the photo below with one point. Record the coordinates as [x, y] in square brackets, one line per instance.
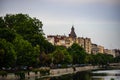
[78, 54]
[117, 59]
[2, 23]
[89, 59]
[58, 56]
[7, 54]
[102, 59]
[26, 55]
[26, 36]
[7, 34]
[61, 56]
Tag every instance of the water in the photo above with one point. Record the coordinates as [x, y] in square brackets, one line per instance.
[106, 75]
[94, 75]
[86, 75]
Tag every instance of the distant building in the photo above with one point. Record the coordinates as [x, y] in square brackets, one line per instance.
[94, 49]
[80, 41]
[68, 41]
[72, 33]
[100, 49]
[108, 51]
[86, 43]
[117, 52]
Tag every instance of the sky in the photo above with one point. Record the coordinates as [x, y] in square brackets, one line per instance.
[95, 19]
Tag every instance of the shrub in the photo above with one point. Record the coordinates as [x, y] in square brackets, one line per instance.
[3, 73]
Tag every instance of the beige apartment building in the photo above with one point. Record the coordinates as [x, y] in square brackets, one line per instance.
[68, 41]
[100, 49]
[97, 49]
[111, 52]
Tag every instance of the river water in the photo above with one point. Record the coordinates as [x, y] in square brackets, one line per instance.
[87, 75]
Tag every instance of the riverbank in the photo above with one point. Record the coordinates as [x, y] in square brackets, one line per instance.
[57, 72]
[53, 72]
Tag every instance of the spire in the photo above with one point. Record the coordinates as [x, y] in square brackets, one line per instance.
[72, 33]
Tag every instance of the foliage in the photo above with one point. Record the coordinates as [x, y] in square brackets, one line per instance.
[61, 56]
[20, 74]
[3, 73]
[22, 41]
[44, 71]
[7, 54]
[78, 54]
[102, 59]
[25, 52]
[117, 59]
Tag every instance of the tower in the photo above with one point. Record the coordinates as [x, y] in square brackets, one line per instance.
[72, 33]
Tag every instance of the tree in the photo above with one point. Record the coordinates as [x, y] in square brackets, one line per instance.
[89, 59]
[7, 34]
[26, 36]
[78, 54]
[2, 23]
[117, 59]
[58, 56]
[25, 52]
[61, 56]
[7, 54]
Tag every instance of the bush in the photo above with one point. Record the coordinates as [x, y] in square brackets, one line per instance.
[44, 71]
[36, 71]
[20, 74]
[3, 73]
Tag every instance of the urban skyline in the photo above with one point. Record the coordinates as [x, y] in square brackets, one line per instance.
[85, 43]
[96, 19]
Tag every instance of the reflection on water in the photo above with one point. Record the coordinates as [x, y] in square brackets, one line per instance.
[110, 75]
[77, 76]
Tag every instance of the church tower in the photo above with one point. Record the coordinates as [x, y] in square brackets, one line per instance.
[72, 33]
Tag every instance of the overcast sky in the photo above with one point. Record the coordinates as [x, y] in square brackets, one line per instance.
[96, 19]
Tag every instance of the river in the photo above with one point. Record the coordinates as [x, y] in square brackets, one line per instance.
[84, 75]
[87, 75]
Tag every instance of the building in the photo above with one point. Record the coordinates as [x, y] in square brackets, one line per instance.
[57, 39]
[108, 51]
[80, 41]
[87, 45]
[117, 52]
[94, 49]
[72, 33]
[100, 49]
[62, 40]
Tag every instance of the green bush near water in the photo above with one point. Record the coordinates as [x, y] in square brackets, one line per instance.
[44, 71]
[3, 73]
[20, 74]
[98, 74]
[36, 71]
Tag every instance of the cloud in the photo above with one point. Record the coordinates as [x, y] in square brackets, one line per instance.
[85, 1]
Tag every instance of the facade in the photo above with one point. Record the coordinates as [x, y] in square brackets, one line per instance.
[86, 43]
[97, 49]
[108, 51]
[72, 33]
[94, 49]
[62, 40]
[80, 41]
[116, 52]
[100, 49]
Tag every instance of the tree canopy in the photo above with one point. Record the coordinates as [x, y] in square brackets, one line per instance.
[22, 43]
[22, 40]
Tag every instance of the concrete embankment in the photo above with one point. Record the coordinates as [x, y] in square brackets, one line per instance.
[53, 72]
[58, 72]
